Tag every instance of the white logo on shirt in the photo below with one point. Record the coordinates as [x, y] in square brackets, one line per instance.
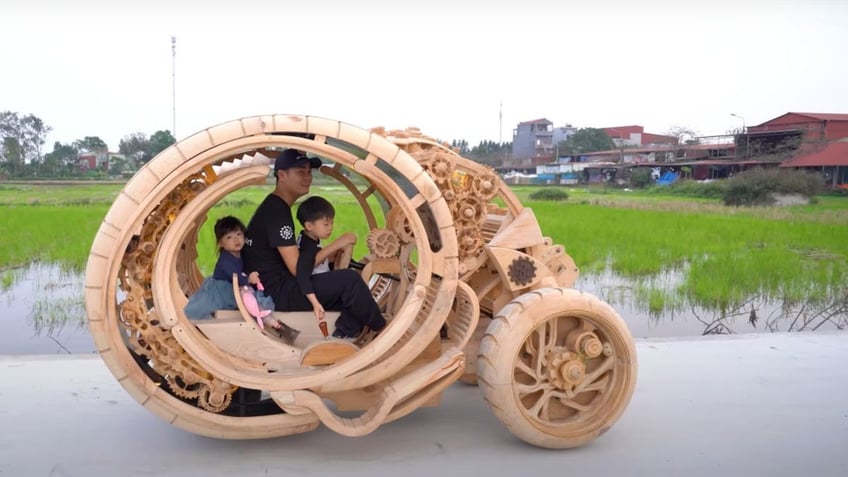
[286, 232]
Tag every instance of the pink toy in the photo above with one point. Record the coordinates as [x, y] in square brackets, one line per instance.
[252, 305]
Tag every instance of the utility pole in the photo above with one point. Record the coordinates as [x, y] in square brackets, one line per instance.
[500, 123]
[500, 133]
[747, 138]
[174, 84]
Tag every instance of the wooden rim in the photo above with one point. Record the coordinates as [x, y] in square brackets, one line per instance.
[558, 367]
[167, 182]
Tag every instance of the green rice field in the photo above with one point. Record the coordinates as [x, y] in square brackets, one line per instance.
[719, 255]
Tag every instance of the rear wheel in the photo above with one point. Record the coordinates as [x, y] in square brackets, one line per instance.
[558, 367]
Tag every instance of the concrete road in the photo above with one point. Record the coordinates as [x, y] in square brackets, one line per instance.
[753, 405]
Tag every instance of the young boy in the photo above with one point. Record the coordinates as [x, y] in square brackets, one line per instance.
[316, 216]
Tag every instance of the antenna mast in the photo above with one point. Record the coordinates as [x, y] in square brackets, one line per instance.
[174, 84]
[500, 124]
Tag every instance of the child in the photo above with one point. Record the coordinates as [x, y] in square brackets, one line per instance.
[216, 292]
[316, 215]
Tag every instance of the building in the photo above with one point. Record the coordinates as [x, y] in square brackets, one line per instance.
[787, 133]
[831, 160]
[532, 144]
[93, 160]
[636, 136]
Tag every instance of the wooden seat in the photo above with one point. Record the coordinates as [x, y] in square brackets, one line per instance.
[233, 335]
[237, 332]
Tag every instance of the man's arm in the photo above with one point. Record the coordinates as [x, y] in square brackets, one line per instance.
[290, 255]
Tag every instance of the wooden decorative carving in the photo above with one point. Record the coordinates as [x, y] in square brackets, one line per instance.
[461, 271]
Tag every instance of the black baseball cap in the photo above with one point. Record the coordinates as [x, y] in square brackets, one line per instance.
[294, 158]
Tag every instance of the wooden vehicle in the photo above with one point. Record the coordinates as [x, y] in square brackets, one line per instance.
[471, 288]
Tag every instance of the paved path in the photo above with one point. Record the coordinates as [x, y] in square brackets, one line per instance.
[753, 405]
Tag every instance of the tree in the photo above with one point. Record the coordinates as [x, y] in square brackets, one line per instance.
[683, 135]
[135, 145]
[586, 140]
[143, 149]
[62, 160]
[159, 141]
[460, 146]
[119, 166]
[489, 153]
[22, 138]
[13, 159]
[90, 144]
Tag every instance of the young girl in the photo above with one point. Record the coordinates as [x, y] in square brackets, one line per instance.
[216, 292]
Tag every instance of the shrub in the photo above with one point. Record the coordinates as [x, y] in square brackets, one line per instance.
[641, 178]
[549, 194]
[756, 186]
[711, 190]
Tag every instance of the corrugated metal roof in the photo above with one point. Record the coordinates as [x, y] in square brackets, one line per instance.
[824, 116]
[834, 154]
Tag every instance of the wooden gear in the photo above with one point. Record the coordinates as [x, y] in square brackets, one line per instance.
[470, 287]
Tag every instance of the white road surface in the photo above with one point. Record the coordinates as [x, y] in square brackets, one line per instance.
[752, 405]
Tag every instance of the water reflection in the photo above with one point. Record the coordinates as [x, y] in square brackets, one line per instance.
[755, 315]
[42, 311]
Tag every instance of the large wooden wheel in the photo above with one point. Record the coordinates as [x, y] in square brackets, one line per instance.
[141, 269]
[557, 367]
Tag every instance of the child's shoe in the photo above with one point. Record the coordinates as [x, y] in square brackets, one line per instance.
[286, 332]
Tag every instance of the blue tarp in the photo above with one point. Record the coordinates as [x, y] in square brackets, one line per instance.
[667, 178]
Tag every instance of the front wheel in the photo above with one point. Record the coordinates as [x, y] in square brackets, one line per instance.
[557, 367]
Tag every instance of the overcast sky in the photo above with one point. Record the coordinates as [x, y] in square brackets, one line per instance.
[97, 68]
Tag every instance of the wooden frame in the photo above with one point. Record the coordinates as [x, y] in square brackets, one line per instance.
[486, 288]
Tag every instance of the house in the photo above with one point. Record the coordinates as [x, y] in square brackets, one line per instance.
[636, 136]
[93, 160]
[99, 160]
[831, 160]
[532, 144]
[810, 141]
[787, 133]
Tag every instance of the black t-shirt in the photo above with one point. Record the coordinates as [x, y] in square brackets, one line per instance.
[309, 248]
[270, 227]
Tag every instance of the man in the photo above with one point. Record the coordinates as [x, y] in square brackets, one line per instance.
[271, 249]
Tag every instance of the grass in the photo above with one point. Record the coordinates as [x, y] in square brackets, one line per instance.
[48, 233]
[717, 255]
[727, 254]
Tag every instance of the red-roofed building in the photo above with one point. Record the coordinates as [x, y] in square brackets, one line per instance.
[831, 160]
[811, 126]
[788, 132]
[636, 136]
